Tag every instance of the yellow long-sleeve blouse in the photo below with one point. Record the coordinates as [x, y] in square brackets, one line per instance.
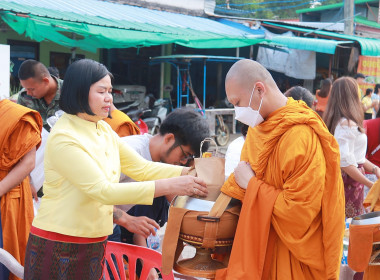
[83, 161]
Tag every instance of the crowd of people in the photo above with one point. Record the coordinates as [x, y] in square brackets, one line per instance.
[304, 164]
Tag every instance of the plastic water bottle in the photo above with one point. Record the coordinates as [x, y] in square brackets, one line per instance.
[153, 241]
[345, 243]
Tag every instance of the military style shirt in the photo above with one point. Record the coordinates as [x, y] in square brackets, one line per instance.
[40, 105]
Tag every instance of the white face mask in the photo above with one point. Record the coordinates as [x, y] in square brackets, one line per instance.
[247, 115]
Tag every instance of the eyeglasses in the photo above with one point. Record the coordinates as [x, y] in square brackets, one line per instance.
[187, 158]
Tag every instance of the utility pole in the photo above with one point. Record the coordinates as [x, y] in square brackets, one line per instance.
[349, 17]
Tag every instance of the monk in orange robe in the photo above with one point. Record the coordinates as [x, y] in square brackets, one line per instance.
[372, 203]
[121, 123]
[20, 136]
[291, 223]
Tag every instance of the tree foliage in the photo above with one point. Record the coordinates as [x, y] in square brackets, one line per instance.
[267, 9]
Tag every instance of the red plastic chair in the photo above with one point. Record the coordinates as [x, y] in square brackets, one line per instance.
[150, 259]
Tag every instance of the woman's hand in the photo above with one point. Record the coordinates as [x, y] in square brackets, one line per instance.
[376, 171]
[34, 193]
[243, 174]
[184, 185]
[357, 174]
[369, 167]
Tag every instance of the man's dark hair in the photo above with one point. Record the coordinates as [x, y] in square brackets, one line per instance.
[359, 75]
[368, 91]
[326, 85]
[76, 87]
[377, 89]
[300, 93]
[188, 127]
[32, 69]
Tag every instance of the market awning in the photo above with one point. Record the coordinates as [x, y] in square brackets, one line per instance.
[308, 44]
[369, 47]
[92, 24]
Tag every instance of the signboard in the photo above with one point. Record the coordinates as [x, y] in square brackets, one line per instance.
[4, 71]
[369, 66]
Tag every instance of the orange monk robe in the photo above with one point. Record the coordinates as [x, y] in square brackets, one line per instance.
[20, 132]
[291, 224]
[122, 124]
[373, 201]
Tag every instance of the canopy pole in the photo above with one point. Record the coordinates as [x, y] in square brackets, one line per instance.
[162, 72]
[73, 50]
[204, 85]
[219, 79]
[167, 71]
[251, 52]
[73, 54]
[237, 52]
[179, 87]
[330, 65]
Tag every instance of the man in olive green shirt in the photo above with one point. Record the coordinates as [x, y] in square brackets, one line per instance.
[41, 91]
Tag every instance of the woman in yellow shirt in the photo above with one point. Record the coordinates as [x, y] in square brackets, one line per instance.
[83, 161]
[368, 104]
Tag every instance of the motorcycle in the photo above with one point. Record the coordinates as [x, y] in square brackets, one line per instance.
[135, 115]
[157, 114]
[124, 102]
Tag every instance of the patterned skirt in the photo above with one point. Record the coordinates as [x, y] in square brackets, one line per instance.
[354, 194]
[54, 260]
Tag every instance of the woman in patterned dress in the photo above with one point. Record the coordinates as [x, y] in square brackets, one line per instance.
[344, 119]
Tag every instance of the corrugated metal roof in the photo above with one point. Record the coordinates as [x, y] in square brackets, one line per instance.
[369, 47]
[241, 26]
[121, 16]
[329, 26]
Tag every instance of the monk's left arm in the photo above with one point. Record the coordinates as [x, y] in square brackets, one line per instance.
[19, 172]
[303, 170]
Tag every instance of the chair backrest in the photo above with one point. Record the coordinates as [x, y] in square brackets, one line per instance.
[11, 263]
[149, 258]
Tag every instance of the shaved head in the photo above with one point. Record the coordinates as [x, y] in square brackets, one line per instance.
[247, 72]
[248, 83]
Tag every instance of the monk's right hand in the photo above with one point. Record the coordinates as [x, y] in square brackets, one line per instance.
[243, 174]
